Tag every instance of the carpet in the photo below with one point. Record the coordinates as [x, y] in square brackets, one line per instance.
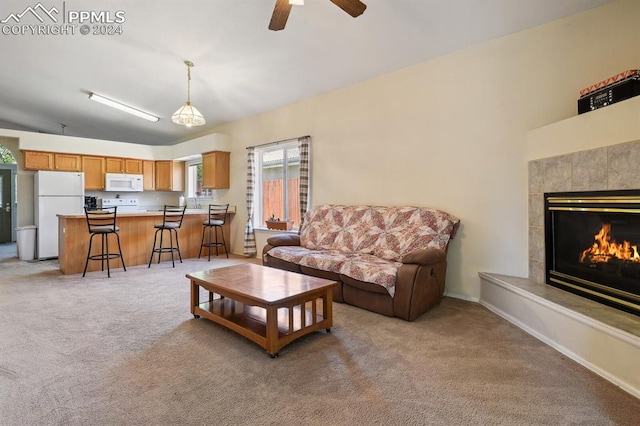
[127, 351]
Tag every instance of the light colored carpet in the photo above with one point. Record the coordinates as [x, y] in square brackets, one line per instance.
[126, 351]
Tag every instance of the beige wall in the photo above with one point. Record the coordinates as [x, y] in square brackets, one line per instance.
[450, 133]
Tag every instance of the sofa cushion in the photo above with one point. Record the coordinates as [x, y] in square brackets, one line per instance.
[372, 269]
[320, 228]
[325, 260]
[293, 254]
[407, 229]
[359, 231]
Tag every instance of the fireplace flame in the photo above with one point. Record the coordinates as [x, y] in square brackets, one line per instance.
[604, 248]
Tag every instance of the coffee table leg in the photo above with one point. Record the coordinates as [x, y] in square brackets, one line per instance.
[327, 308]
[195, 298]
[272, 331]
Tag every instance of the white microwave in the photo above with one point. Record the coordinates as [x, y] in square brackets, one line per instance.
[119, 182]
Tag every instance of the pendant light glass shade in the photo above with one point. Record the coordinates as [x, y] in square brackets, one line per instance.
[188, 115]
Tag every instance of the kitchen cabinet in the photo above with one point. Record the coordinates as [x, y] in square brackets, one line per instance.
[58, 161]
[169, 175]
[133, 166]
[123, 165]
[38, 160]
[148, 175]
[114, 165]
[215, 170]
[94, 169]
[157, 175]
[67, 162]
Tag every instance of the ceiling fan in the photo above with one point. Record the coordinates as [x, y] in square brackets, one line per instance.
[281, 11]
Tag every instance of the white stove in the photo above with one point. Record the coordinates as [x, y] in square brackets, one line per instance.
[123, 204]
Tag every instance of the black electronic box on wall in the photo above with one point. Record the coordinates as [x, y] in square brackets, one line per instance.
[615, 89]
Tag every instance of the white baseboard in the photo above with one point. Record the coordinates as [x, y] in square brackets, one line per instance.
[462, 297]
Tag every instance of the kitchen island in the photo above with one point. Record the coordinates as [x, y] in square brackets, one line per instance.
[136, 237]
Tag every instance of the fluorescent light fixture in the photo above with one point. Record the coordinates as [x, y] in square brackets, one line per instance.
[297, 2]
[123, 107]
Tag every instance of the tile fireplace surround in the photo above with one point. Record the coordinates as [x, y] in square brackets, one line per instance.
[599, 150]
[608, 168]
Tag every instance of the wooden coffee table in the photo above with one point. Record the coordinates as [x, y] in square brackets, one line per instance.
[269, 306]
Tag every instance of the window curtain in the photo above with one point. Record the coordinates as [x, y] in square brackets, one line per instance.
[303, 145]
[249, 235]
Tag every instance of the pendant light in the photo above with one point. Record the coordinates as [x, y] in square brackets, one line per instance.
[188, 115]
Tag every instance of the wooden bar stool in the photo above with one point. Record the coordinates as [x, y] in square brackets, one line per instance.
[217, 219]
[103, 222]
[171, 221]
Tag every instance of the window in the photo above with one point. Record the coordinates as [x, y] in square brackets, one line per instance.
[277, 191]
[194, 179]
[6, 157]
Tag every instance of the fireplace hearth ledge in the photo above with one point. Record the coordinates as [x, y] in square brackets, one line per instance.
[602, 339]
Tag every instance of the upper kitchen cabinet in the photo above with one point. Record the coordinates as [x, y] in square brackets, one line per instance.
[94, 169]
[61, 162]
[215, 170]
[67, 162]
[148, 175]
[169, 175]
[38, 160]
[114, 165]
[123, 165]
[133, 166]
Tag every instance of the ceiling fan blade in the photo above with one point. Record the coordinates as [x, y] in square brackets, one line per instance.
[280, 15]
[352, 7]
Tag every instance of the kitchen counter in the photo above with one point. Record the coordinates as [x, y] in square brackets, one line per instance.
[136, 238]
[150, 212]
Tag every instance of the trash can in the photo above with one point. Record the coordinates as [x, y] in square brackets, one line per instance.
[26, 239]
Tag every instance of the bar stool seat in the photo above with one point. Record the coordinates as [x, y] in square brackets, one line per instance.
[103, 222]
[171, 221]
[217, 218]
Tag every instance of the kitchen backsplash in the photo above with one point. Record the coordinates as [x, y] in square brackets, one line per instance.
[155, 200]
[146, 200]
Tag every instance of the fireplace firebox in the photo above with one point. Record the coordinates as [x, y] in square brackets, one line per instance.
[592, 243]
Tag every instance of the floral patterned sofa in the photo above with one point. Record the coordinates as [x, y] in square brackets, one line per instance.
[389, 260]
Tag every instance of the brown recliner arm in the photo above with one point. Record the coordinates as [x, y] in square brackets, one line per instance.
[280, 240]
[420, 282]
[284, 240]
[425, 257]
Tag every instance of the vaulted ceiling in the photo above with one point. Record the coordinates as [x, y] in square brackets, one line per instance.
[241, 67]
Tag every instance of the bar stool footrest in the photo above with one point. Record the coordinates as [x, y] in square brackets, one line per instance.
[105, 256]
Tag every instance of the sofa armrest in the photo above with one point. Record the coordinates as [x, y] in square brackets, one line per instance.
[420, 283]
[284, 240]
[425, 257]
[279, 240]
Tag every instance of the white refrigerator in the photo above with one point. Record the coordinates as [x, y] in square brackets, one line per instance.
[55, 193]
